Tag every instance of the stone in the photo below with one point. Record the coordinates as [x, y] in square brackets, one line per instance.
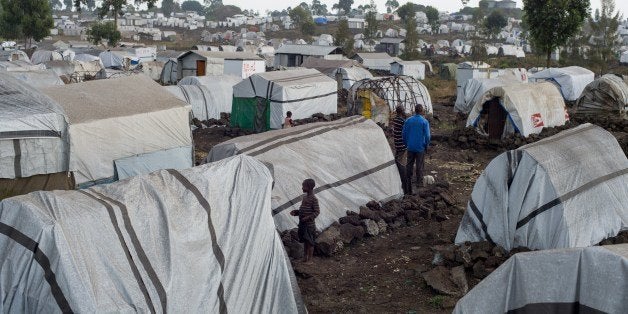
[439, 279]
[449, 200]
[463, 256]
[479, 254]
[438, 260]
[294, 249]
[366, 213]
[329, 242]
[352, 219]
[413, 216]
[370, 227]
[398, 222]
[479, 270]
[459, 277]
[382, 226]
[374, 205]
[349, 232]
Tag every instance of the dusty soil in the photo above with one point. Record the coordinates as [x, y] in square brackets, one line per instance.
[384, 274]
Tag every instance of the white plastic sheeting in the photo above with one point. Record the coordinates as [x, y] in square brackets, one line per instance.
[415, 69]
[33, 131]
[136, 118]
[579, 280]
[530, 107]
[41, 56]
[304, 92]
[571, 80]
[473, 89]
[169, 73]
[568, 190]
[38, 79]
[166, 242]
[349, 159]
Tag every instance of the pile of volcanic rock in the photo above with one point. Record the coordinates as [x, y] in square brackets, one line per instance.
[457, 268]
[432, 203]
[318, 117]
[469, 138]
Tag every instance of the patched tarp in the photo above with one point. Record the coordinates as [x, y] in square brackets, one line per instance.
[606, 96]
[578, 280]
[190, 241]
[349, 159]
[567, 190]
[530, 107]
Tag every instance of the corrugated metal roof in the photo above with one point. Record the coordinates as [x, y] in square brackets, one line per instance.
[373, 55]
[295, 77]
[224, 55]
[306, 50]
[391, 40]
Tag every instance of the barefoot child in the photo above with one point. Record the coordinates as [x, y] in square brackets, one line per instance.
[307, 214]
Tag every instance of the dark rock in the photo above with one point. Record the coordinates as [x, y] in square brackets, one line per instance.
[493, 261]
[398, 222]
[439, 279]
[353, 219]
[459, 277]
[383, 226]
[329, 242]
[374, 205]
[413, 216]
[366, 213]
[479, 270]
[463, 256]
[349, 232]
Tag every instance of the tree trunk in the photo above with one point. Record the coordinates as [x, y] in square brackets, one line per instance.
[549, 57]
[115, 19]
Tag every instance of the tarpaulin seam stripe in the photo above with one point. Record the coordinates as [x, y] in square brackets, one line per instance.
[200, 90]
[17, 159]
[141, 253]
[302, 99]
[29, 133]
[558, 137]
[480, 217]
[284, 135]
[212, 231]
[322, 188]
[569, 195]
[306, 136]
[125, 247]
[43, 261]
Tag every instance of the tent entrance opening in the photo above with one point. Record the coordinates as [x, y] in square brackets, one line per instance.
[200, 67]
[493, 118]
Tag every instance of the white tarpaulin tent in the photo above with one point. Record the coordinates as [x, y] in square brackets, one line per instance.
[38, 79]
[415, 69]
[568, 190]
[473, 89]
[529, 107]
[169, 73]
[171, 241]
[571, 80]
[304, 92]
[350, 70]
[123, 127]
[345, 182]
[578, 280]
[207, 95]
[33, 131]
[41, 56]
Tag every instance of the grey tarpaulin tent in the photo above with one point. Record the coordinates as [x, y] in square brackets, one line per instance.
[571, 80]
[170, 241]
[362, 167]
[579, 280]
[33, 140]
[567, 190]
[607, 95]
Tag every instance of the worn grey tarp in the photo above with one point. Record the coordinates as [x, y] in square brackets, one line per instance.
[606, 96]
[570, 80]
[568, 190]
[579, 280]
[349, 159]
[200, 240]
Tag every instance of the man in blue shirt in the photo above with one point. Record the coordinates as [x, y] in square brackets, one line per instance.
[416, 137]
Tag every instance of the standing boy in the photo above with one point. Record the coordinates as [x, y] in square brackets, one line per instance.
[307, 214]
[400, 148]
[416, 137]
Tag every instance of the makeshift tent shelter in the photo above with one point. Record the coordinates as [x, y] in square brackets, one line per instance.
[85, 58]
[261, 102]
[607, 96]
[117, 132]
[350, 70]
[169, 73]
[571, 80]
[41, 56]
[344, 182]
[448, 71]
[38, 79]
[394, 90]
[207, 95]
[567, 190]
[578, 280]
[127, 246]
[379, 61]
[473, 89]
[415, 69]
[518, 108]
[33, 140]
[153, 69]
[118, 60]
[14, 55]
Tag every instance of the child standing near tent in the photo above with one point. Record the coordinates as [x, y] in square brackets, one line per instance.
[287, 122]
[307, 213]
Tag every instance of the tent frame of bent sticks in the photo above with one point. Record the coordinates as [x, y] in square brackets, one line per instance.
[395, 90]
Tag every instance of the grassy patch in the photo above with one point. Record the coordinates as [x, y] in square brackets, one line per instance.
[440, 90]
[437, 301]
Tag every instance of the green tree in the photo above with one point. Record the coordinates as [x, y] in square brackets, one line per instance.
[432, 17]
[372, 24]
[104, 31]
[407, 11]
[343, 37]
[553, 22]
[168, 7]
[391, 5]
[303, 19]
[318, 8]
[494, 22]
[222, 12]
[410, 51]
[25, 19]
[90, 4]
[193, 5]
[344, 5]
[604, 36]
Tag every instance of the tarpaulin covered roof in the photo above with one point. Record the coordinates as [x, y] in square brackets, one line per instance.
[571, 80]
[568, 190]
[366, 172]
[608, 95]
[171, 241]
